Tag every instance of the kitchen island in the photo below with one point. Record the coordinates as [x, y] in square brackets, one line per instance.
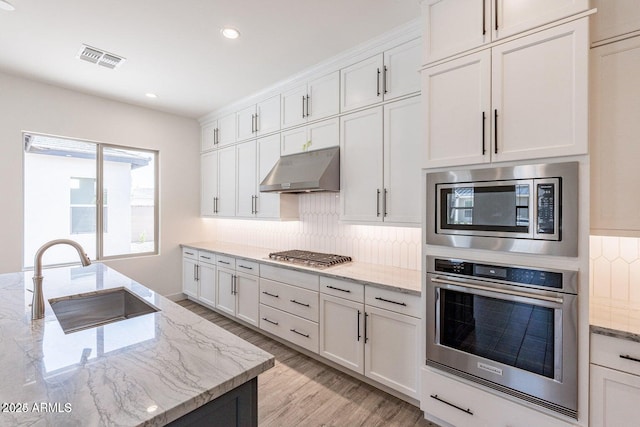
[148, 370]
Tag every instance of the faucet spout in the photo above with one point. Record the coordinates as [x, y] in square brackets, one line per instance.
[37, 305]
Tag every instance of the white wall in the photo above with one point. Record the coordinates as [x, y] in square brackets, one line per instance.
[26, 105]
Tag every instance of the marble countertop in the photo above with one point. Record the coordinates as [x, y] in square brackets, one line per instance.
[616, 319]
[394, 278]
[148, 370]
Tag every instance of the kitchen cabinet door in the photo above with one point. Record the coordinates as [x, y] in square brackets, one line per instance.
[402, 169]
[246, 122]
[457, 108]
[324, 97]
[207, 279]
[392, 350]
[226, 130]
[294, 107]
[361, 165]
[208, 138]
[613, 396]
[293, 141]
[401, 74]
[614, 18]
[247, 298]
[190, 277]
[342, 332]
[361, 84]
[268, 116]
[268, 155]
[540, 94]
[247, 167]
[209, 183]
[323, 134]
[225, 296]
[226, 203]
[615, 91]
[454, 26]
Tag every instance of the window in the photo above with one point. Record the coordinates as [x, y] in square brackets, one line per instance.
[74, 188]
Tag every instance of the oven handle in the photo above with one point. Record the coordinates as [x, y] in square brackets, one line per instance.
[556, 300]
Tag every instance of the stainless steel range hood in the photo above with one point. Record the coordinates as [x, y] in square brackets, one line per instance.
[305, 172]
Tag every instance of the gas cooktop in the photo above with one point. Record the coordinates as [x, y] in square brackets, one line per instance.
[310, 259]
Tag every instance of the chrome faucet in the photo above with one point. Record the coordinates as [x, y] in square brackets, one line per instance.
[37, 305]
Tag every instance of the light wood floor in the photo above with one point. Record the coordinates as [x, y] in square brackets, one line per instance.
[300, 391]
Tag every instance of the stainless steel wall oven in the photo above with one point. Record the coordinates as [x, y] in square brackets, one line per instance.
[527, 208]
[510, 328]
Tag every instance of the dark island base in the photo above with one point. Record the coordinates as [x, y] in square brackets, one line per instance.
[238, 407]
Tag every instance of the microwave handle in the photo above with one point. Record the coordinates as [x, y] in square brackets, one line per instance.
[465, 284]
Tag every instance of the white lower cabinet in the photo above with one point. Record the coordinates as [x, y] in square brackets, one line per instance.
[237, 288]
[446, 400]
[615, 381]
[376, 342]
[190, 273]
[199, 275]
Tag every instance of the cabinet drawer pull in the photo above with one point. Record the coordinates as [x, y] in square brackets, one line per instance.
[271, 295]
[392, 302]
[188, 253]
[338, 289]
[270, 321]
[224, 262]
[299, 333]
[245, 267]
[631, 358]
[466, 411]
[299, 303]
[205, 257]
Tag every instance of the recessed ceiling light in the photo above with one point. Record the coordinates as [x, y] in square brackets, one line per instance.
[151, 95]
[5, 5]
[230, 32]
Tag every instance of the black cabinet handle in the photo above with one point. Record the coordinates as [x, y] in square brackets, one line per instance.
[299, 333]
[270, 321]
[495, 131]
[205, 257]
[384, 203]
[224, 262]
[245, 267]
[484, 120]
[271, 295]
[303, 115]
[378, 83]
[359, 336]
[392, 302]
[466, 411]
[495, 6]
[384, 80]
[300, 303]
[378, 202]
[308, 110]
[484, 27]
[366, 338]
[188, 253]
[338, 289]
[627, 357]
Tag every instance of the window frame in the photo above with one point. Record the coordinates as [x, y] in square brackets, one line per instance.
[99, 234]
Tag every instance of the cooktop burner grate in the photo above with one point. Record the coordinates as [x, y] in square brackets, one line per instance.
[311, 259]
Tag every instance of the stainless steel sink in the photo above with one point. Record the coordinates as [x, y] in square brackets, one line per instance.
[77, 312]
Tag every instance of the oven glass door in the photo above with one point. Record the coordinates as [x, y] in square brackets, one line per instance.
[497, 207]
[518, 334]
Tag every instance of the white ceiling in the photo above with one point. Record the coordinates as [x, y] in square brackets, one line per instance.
[174, 48]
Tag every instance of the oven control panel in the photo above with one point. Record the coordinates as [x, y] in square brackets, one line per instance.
[518, 275]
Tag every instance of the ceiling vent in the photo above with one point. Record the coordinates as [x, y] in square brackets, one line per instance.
[99, 57]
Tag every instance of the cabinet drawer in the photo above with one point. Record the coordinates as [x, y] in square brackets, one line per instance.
[249, 267]
[206, 257]
[291, 277]
[298, 301]
[609, 352]
[342, 289]
[292, 328]
[225, 261]
[393, 301]
[190, 253]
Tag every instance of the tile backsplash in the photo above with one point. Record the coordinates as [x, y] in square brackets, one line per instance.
[614, 271]
[319, 229]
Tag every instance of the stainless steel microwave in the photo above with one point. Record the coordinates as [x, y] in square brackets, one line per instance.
[527, 208]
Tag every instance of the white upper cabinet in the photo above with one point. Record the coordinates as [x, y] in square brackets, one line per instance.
[382, 77]
[209, 183]
[220, 132]
[455, 26]
[524, 99]
[614, 18]
[272, 205]
[260, 119]
[323, 134]
[615, 109]
[226, 202]
[246, 154]
[313, 101]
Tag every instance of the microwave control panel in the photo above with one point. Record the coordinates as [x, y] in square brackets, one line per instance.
[546, 208]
